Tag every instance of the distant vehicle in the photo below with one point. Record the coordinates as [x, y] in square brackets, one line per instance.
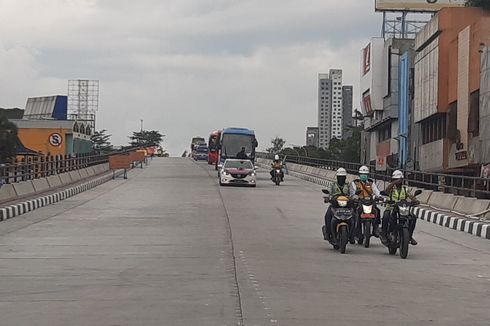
[201, 153]
[233, 140]
[213, 147]
[238, 172]
[196, 141]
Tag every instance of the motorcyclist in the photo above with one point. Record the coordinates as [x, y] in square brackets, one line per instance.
[242, 154]
[277, 165]
[397, 192]
[364, 188]
[339, 188]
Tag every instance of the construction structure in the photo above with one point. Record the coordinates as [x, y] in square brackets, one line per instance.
[83, 100]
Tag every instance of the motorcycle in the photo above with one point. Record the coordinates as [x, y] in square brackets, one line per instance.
[343, 213]
[367, 218]
[276, 178]
[398, 231]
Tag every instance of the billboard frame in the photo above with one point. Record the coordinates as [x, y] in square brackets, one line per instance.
[419, 10]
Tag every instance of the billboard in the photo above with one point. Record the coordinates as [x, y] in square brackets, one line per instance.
[417, 5]
[366, 59]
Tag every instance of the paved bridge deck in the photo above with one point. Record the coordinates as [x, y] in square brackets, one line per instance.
[168, 246]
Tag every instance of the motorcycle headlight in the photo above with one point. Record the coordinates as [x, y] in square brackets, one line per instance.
[342, 203]
[404, 210]
[367, 209]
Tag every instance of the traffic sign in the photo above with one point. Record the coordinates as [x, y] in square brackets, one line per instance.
[55, 139]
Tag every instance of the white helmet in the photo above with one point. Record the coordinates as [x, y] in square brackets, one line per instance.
[363, 170]
[397, 174]
[341, 172]
[276, 157]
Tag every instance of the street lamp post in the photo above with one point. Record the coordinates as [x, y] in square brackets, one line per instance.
[302, 147]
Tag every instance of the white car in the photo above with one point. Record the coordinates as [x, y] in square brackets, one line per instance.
[237, 172]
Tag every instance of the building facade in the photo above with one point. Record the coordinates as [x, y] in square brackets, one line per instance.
[450, 77]
[347, 122]
[330, 112]
[312, 137]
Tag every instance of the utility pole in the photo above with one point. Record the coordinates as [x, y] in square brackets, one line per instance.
[141, 125]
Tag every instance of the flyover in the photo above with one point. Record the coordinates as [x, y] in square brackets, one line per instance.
[168, 246]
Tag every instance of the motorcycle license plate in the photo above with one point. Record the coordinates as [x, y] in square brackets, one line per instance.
[368, 216]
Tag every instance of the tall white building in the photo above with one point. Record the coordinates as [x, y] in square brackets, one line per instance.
[329, 106]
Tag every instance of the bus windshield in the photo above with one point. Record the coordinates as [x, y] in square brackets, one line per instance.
[213, 143]
[232, 145]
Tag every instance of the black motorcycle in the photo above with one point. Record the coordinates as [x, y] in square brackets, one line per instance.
[342, 213]
[398, 230]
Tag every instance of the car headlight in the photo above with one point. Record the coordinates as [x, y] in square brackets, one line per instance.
[252, 174]
[224, 172]
[367, 209]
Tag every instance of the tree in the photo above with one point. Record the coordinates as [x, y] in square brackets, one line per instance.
[485, 4]
[277, 145]
[146, 138]
[101, 141]
[8, 139]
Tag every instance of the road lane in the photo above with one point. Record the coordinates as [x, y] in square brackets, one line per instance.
[171, 247]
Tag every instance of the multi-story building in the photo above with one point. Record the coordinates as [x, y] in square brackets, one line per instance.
[312, 137]
[329, 106]
[451, 91]
[347, 95]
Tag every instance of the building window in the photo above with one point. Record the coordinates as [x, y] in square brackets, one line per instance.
[384, 133]
[434, 129]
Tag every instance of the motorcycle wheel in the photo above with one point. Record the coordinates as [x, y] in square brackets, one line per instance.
[344, 237]
[367, 233]
[278, 181]
[404, 239]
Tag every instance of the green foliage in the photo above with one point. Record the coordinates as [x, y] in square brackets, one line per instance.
[485, 4]
[8, 139]
[146, 138]
[277, 145]
[348, 150]
[101, 141]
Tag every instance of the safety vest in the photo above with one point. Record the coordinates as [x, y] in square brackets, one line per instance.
[337, 190]
[397, 196]
[365, 188]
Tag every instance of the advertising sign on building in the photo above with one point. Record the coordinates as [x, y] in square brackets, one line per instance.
[417, 5]
[367, 105]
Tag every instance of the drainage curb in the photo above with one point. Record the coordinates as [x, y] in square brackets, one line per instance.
[11, 211]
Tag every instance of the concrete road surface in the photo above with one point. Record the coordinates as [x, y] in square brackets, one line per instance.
[170, 247]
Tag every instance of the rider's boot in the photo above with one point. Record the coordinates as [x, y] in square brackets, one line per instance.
[413, 242]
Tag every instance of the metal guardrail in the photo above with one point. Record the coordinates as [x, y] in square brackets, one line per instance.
[447, 183]
[32, 168]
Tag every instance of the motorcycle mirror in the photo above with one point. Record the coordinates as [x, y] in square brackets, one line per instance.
[325, 191]
[383, 193]
[418, 192]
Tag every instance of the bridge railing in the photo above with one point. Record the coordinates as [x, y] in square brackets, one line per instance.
[37, 167]
[448, 183]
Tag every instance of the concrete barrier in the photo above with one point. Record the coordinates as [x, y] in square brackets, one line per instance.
[470, 206]
[7, 192]
[40, 185]
[331, 175]
[424, 196]
[75, 175]
[83, 173]
[442, 200]
[54, 181]
[24, 188]
[65, 179]
[91, 171]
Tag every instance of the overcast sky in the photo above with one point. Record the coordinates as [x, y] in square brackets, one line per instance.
[186, 67]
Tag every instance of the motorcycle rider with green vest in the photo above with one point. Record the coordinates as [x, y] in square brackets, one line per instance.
[339, 188]
[397, 192]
